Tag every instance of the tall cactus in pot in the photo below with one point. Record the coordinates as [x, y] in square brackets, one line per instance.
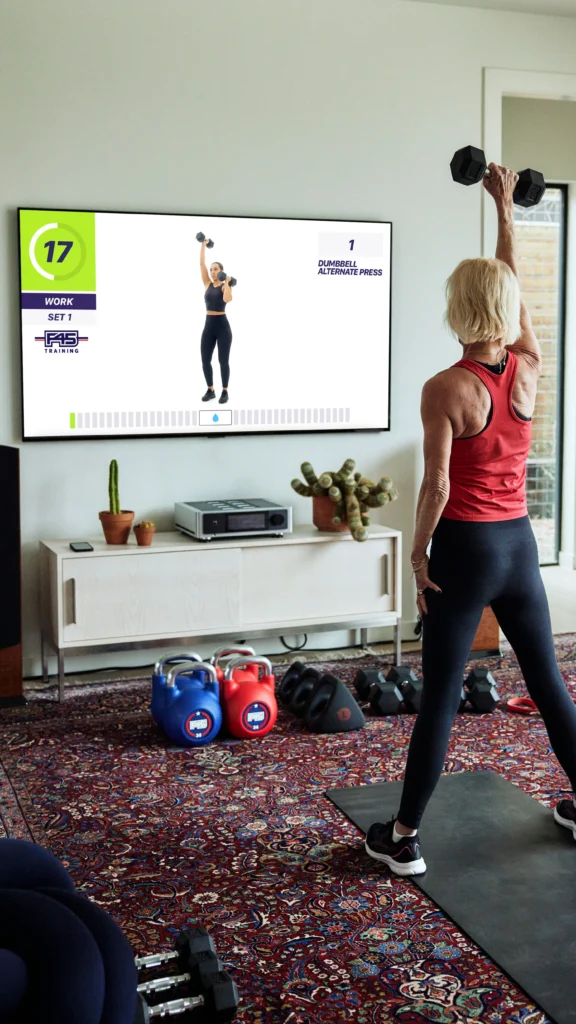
[116, 522]
[113, 488]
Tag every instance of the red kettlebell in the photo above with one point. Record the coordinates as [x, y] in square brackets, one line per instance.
[248, 702]
[225, 652]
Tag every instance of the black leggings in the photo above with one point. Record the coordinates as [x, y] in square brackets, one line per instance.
[217, 331]
[480, 564]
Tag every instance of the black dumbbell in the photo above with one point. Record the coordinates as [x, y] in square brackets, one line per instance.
[290, 681]
[409, 684]
[222, 275]
[201, 237]
[219, 1000]
[189, 942]
[201, 967]
[385, 698]
[481, 690]
[365, 679]
[469, 166]
[303, 691]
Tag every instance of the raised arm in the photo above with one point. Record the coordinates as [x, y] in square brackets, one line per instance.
[500, 185]
[203, 267]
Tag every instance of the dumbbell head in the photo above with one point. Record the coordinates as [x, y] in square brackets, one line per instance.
[192, 941]
[482, 692]
[201, 237]
[530, 188]
[220, 997]
[385, 698]
[223, 275]
[365, 679]
[303, 691]
[468, 165]
[289, 681]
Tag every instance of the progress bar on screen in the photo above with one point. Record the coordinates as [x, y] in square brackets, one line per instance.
[183, 418]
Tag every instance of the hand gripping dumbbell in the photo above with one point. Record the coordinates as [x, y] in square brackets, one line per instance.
[222, 275]
[248, 702]
[469, 166]
[218, 998]
[227, 652]
[158, 701]
[192, 713]
[200, 237]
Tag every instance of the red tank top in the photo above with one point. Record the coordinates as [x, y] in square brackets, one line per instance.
[488, 471]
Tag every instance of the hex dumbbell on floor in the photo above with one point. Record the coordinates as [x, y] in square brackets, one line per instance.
[480, 688]
[383, 696]
[409, 684]
[190, 941]
[469, 167]
[200, 968]
[218, 999]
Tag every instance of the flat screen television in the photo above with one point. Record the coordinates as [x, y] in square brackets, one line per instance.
[117, 339]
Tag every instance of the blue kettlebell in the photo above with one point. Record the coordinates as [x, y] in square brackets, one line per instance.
[192, 714]
[158, 701]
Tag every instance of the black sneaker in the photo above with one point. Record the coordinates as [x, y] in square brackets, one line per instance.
[403, 858]
[565, 814]
[210, 394]
[223, 397]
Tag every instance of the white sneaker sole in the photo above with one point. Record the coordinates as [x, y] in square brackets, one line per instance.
[414, 867]
[565, 822]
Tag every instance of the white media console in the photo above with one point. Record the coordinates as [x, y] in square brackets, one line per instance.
[179, 591]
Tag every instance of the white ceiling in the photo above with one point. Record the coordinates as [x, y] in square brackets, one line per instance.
[567, 8]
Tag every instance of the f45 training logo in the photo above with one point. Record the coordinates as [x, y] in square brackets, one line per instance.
[61, 342]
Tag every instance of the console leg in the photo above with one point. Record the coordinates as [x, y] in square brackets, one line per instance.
[61, 676]
[398, 642]
[364, 638]
[44, 650]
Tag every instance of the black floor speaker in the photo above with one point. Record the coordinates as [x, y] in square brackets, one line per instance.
[10, 580]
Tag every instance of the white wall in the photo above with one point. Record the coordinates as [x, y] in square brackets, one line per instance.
[540, 133]
[324, 109]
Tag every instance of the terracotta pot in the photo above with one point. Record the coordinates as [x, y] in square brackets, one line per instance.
[144, 535]
[116, 526]
[322, 513]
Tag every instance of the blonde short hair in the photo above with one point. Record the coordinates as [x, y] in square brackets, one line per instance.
[483, 297]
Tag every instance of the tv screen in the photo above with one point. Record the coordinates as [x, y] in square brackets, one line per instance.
[126, 322]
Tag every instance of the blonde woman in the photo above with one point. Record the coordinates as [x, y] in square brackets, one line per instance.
[472, 504]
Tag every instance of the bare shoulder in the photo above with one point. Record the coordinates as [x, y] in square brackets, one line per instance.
[448, 386]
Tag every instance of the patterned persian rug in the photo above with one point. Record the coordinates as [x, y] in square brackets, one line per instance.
[239, 837]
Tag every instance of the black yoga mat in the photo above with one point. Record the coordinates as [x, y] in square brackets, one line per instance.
[502, 869]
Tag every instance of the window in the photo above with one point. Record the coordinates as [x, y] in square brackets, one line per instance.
[541, 234]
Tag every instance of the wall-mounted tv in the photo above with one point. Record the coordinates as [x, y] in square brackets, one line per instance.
[126, 321]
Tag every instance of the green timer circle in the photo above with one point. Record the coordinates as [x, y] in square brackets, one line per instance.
[57, 252]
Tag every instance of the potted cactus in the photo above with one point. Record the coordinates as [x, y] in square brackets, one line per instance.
[116, 523]
[144, 532]
[341, 501]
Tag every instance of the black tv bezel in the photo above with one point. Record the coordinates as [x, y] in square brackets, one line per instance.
[199, 434]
